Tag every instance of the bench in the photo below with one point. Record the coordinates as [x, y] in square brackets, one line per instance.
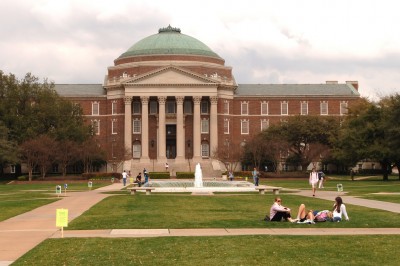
[148, 190]
[261, 189]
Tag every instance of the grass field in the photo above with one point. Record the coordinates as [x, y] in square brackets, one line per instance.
[20, 198]
[223, 210]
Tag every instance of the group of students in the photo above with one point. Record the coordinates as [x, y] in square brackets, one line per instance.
[278, 212]
[138, 180]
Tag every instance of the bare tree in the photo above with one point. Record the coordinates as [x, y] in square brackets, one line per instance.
[229, 154]
[28, 155]
[66, 154]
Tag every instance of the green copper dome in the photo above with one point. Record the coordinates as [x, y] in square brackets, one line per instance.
[169, 41]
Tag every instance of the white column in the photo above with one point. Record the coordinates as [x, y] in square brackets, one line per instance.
[145, 127]
[213, 124]
[128, 125]
[161, 127]
[180, 135]
[196, 128]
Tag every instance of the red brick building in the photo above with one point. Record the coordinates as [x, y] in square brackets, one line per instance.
[170, 98]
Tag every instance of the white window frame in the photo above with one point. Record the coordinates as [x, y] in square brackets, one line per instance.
[114, 126]
[205, 150]
[226, 126]
[204, 107]
[136, 107]
[324, 108]
[136, 126]
[264, 124]
[304, 108]
[96, 126]
[343, 108]
[264, 108]
[244, 126]
[114, 107]
[12, 169]
[226, 107]
[284, 108]
[205, 126]
[137, 150]
[244, 108]
[95, 108]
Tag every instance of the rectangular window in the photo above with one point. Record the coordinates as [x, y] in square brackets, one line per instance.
[245, 126]
[55, 168]
[226, 107]
[187, 107]
[284, 108]
[343, 108]
[95, 108]
[304, 108]
[96, 127]
[264, 124]
[226, 126]
[136, 126]
[114, 108]
[205, 150]
[113, 149]
[136, 107]
[245, 108]
[170, 107]
[204, 126]
[324, 108]
[153, 107]
[114, 126]
[137, 151]
[12, 170]
[204, 107]
[264, 108]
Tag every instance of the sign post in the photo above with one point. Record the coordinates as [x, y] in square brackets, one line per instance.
[62, 219]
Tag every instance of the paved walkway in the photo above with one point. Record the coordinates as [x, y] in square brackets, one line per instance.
[20, 234]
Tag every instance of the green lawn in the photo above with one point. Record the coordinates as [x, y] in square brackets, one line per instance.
[218, 211]
[222, 210]
[230, 250]
[20, 198]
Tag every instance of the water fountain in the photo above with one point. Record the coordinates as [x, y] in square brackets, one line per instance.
[198, 176]
[199, 185]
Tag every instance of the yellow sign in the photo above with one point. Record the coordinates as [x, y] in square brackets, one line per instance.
[62, 218]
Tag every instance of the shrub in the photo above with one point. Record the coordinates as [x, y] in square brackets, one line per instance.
[159, 175]
[102, 175]
[184, 175]
[22, 178]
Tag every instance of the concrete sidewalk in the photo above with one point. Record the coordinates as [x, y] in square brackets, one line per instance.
[20, 234]
[331, 195]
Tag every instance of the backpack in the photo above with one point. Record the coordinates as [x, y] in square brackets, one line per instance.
[321, 217]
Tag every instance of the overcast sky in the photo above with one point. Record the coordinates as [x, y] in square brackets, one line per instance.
[264, 41]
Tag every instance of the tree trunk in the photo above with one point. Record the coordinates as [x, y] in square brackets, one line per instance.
[30, 174]
[385, 171]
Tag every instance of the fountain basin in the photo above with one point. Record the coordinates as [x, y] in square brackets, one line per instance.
[208, 186]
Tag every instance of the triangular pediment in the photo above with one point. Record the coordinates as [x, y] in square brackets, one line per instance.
[170, 75]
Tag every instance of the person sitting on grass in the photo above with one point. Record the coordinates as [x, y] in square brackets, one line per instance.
[339, 210]
[279, 212]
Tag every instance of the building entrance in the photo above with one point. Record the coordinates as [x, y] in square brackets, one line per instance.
[170, 141]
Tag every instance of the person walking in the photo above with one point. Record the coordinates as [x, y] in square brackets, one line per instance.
[256, 176]
[313, 180]
[321, 179]
[124, 177]
[230, 175]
